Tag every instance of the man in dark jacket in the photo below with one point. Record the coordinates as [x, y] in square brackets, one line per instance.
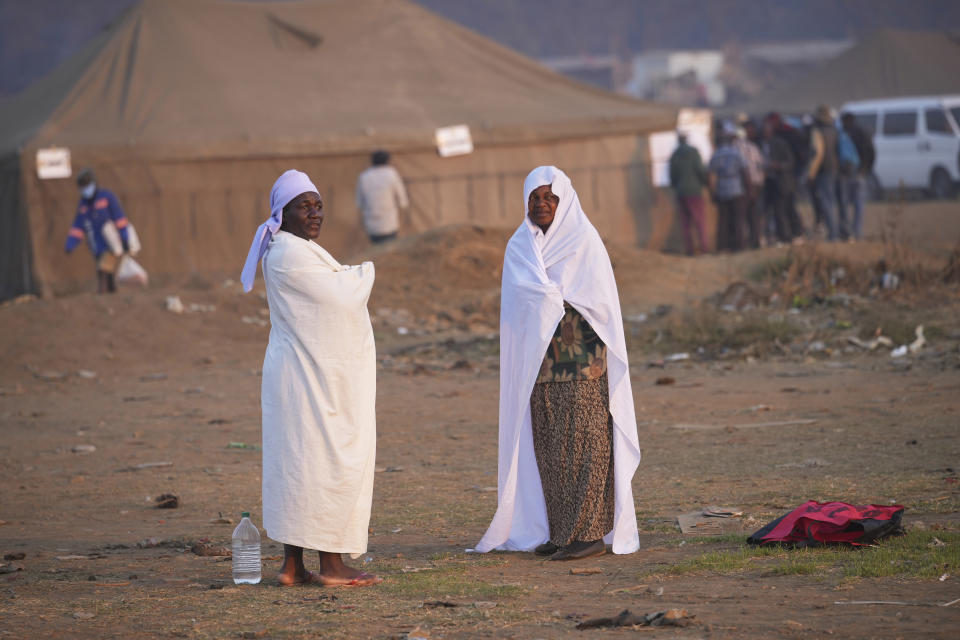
[800, 149]
[688, 177]
[780, 183]
[853, 184]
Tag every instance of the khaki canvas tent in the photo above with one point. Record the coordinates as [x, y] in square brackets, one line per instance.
[886, 64]
[189, 109]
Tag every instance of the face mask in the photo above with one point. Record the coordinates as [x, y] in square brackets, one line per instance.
[88, 191]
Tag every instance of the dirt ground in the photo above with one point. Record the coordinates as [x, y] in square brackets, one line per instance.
[774, 406]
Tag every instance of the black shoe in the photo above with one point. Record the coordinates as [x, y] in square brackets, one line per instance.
[579, 550]
[546, 549]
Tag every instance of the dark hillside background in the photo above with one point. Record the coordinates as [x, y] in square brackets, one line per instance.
[561, 27]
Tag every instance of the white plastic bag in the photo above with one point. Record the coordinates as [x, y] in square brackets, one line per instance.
[130, 272]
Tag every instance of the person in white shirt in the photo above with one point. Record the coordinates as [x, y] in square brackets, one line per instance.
[380, 196]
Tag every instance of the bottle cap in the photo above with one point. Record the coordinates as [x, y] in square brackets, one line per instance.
[244, 514]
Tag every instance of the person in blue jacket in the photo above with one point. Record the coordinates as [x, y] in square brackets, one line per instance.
[98, 206]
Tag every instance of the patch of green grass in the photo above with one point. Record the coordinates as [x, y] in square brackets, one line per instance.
[450, 575]
[657, 527]
[799, 562]
[720, 539]
[721, 562]
[447, 559]
[934, 333]
[453, 582]
[443, 557]
[440, 516]
[714, 330]
[771, 269]
[915, 555]
[948, 505]
[795, 568]
[761, 331]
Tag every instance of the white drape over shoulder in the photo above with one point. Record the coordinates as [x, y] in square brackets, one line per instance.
[540, 272]
[318, 399]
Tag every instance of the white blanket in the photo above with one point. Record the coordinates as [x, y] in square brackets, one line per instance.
[318, 399]
[540, 271]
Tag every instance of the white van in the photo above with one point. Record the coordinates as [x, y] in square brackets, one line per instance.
[917, 141]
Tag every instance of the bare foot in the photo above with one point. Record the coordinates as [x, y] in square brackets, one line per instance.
[304, 577]
[292, 570]
[334, 573]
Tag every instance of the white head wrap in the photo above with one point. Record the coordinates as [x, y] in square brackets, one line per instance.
[287, 187]
[560, 185]
[541, 271]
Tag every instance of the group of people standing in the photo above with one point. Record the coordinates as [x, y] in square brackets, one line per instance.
[568, 444]
[757, 173]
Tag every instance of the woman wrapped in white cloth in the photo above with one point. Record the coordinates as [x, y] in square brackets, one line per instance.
[318, 391]
[568, 445]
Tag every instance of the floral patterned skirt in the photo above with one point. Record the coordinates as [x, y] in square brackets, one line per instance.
[573, 442]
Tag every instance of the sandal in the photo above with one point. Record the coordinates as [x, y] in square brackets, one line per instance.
[363, 580]
[580, 550]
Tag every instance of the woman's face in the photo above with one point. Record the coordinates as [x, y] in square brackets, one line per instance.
[303, 215]
[542, 206]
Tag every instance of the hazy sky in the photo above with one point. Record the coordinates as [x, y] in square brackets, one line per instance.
[35, 35]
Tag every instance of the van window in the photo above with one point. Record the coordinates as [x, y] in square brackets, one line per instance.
[900, 123]
[867, 120]
[937, 121]
[955, 112]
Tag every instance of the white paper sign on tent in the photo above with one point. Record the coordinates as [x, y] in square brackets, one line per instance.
[696, 124]
[53, 162]
[454, 141]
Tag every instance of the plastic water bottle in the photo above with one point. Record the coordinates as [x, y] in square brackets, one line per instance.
[246, 552]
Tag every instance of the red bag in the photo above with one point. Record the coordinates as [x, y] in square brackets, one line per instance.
[818, 523]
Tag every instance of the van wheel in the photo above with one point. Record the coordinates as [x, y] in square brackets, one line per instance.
[941, 186]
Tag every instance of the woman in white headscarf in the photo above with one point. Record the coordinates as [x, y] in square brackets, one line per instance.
[318, 391]
[568, 444]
